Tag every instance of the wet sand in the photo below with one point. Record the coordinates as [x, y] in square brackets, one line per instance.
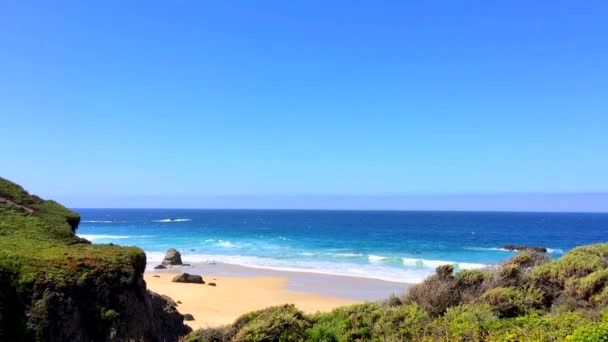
[354, 288]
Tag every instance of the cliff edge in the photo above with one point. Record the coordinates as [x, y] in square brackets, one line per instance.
[55, 286]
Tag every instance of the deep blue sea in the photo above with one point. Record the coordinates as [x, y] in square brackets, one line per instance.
[401, 246]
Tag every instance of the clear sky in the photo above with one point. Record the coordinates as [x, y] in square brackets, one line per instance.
[260, 102]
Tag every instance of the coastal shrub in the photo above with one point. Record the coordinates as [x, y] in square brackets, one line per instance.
[436, 293]
[504, 301]
[528, 259]
[468, 322]
[352, 323]
[218, 334]
[470, 278]
[470, 284]
[393, 300]
[602, 297]
[510, 275]
[278, 323]
[369, 322]
[404, 323]
[578, 263]
[594, 333]
[584, 288]
[578, 273]
[537, 327]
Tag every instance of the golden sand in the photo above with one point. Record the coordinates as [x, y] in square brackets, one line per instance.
[218, 305]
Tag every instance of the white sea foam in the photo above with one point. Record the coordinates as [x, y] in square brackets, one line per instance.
[487, 249]
[374, 271]
[424, 263]
[348, 255]
[93, 237]
[155, 256]
[555, 251]
[375, 258]
[174, 220]
[226, 244]
[306, 254]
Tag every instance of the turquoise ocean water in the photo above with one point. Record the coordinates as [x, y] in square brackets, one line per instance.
[403, 246]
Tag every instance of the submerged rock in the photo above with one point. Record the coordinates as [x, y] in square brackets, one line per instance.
[173, 257]
[525, 248]
[188, 278]
[160, 267]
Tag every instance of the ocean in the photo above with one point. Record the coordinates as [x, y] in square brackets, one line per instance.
[401, 246]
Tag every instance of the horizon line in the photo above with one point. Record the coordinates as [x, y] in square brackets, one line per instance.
[343, 209]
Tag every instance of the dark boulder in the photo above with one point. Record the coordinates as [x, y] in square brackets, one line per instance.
[188, 278]
[211, 284]
[188, 317]
[160, 267]
[525, 248]
[173, 257]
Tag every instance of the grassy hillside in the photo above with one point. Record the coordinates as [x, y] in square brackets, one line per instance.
[528, 298]
[56, 286]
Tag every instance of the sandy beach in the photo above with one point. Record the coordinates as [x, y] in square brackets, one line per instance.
[233, 296]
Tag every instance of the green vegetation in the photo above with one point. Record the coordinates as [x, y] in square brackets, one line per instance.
[527, 298]
[57, 286]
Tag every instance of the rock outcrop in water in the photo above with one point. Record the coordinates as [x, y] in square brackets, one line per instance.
[524, 248]
[55, 286]
[173, 257]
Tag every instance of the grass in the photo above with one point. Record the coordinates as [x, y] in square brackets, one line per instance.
[39, 250]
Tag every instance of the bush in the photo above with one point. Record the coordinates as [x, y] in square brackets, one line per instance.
[528, 259]
[598, 332]
[537, 327]
[504, 301]
[352, 323]
[221, 334]
[590, 285]
[278, 323]
[469, 322]
[437, 293]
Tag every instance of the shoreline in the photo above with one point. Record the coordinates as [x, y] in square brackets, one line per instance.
[337, 286]
[213, 306]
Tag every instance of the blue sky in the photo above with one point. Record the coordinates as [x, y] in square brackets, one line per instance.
[255, 102]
